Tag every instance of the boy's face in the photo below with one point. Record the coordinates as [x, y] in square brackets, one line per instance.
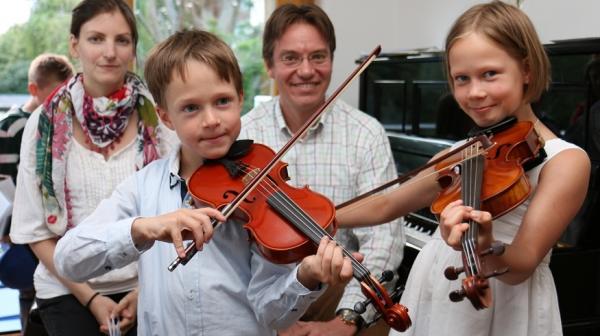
[204, 111]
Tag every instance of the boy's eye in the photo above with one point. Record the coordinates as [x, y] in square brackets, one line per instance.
[190, 108]
[223, 101]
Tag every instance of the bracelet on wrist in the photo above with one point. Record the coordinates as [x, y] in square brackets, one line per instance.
[89, 302]
[350, 317]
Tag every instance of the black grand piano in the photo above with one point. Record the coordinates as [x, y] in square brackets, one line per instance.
[408, 94]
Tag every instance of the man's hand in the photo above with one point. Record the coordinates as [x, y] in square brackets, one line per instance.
[175, 227]
[335, 327]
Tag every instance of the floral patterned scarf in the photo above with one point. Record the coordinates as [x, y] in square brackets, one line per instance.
[55, 133]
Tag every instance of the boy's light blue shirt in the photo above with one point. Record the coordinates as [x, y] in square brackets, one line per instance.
[226, 289]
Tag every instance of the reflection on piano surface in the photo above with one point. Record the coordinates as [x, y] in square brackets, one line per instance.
[409, 96]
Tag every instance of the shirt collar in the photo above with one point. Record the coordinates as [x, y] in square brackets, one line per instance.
[174, 161]
[280, 120]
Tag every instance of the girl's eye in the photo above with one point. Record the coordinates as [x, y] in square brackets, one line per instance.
[460, 79]
[190, 108]
[223, 101]
[489, 74]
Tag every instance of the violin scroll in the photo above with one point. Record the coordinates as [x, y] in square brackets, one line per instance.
[387, 306]
[475, 286]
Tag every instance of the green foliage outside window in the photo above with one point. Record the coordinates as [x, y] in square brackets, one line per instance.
[48, 31]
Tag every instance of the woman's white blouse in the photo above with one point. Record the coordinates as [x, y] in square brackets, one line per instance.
[90, 178]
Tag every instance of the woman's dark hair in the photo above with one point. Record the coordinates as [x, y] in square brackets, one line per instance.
[88, 9]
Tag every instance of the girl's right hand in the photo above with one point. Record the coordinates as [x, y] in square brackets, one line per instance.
[177, 226]
[101, 307]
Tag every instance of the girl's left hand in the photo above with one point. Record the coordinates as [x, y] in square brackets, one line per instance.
[126, 311]
[453, 224]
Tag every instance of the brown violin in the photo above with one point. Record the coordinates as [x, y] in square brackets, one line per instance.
[493, 180]
[286, 222]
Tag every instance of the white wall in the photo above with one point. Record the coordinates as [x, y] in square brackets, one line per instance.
[397, 25]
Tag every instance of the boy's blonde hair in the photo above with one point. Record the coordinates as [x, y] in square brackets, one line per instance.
[48, 68]
[512, 30]
[173, 54]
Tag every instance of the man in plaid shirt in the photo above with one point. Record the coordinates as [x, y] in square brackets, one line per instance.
[344, 155]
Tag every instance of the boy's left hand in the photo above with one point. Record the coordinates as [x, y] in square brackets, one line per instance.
[328, 266]
[126, 311]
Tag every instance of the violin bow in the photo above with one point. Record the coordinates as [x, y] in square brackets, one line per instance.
[483, 139]
[190, 249]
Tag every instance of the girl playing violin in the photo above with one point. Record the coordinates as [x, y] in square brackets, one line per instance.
[496, 67]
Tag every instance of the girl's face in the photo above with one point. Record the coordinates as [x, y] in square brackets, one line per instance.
[105, 49]
[488, 82]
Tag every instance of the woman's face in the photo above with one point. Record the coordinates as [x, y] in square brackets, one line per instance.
[105, 49]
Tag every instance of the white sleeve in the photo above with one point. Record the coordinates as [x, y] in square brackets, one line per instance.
[102, 242]
[28, 225]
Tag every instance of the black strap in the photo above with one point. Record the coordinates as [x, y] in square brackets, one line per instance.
[238, 149]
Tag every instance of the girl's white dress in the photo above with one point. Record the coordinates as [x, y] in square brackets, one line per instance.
[529, 308]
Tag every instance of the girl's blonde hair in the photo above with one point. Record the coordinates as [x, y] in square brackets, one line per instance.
[512, 30]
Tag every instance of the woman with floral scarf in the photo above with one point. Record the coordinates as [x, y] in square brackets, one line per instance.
[89, 135]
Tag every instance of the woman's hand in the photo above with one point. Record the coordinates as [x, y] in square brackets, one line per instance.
[453, 224]
[126, 311]
[101, 307]
[175, 227]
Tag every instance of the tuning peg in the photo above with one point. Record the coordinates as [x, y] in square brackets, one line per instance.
[361, 307]
[452, 273]
[496, 273]
[496, 249]
[386, 276]
[457, 295]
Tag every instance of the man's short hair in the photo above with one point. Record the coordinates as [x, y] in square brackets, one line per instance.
[289, 14]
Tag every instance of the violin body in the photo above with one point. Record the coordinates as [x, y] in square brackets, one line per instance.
[278, 240]
[505, 185]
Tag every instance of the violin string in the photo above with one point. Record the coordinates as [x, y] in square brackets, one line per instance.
[473, 183]
[471, 188]
[466, 191]
[315, 230]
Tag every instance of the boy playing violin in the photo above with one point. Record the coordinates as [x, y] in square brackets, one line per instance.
[228, 288]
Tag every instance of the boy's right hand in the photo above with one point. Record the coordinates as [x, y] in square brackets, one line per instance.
[175, 227]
